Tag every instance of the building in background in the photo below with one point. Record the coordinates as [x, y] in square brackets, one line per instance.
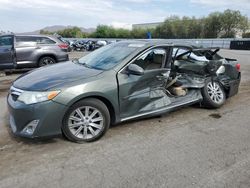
[146, 25]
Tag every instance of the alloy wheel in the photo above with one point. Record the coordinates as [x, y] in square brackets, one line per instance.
[85, 122]
[215, 92]
[46, 61]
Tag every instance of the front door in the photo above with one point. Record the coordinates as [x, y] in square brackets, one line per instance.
[7, 60]
[142, 94]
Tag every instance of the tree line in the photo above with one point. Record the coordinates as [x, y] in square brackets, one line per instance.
[216, 25]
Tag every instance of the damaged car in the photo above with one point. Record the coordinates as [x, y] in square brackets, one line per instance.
[119, 82]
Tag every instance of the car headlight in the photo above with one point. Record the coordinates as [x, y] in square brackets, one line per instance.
[31, 97]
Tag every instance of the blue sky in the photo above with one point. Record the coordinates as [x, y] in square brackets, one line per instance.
[29, 15]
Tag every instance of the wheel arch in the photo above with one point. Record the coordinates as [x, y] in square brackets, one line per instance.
[207, 101]
[108, 103]
[46, 55]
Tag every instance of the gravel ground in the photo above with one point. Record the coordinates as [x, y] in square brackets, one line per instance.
[191, 147]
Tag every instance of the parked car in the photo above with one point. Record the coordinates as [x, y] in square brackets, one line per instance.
[25, 51]
[116, 83]
[101, 43]
[78, 45]
[90, 45]
[67, 42]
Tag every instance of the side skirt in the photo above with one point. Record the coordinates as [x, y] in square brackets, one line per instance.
[162, 110]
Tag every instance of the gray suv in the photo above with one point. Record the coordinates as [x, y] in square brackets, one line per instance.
[26, 51]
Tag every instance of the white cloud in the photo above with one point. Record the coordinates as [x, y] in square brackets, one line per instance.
[224, 4]
[26, 15]
[35, 13]
[66, 4]
[121, 25]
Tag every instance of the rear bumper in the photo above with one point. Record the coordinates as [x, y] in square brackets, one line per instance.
[64, 57]
[234, 87]
[231, 86]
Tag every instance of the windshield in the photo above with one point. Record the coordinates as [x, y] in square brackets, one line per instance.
[108, 56]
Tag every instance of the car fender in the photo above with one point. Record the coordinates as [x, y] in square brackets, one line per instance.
[111, 104]
[40, 54]
[106, 91]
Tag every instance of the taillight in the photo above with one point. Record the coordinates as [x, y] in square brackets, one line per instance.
[63, 46]
[237, 66]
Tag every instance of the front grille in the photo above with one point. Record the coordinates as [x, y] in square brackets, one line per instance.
[15, 93]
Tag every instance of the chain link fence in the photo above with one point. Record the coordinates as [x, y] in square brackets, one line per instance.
[223, 43]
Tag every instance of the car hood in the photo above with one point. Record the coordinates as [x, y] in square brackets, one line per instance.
[51, 76]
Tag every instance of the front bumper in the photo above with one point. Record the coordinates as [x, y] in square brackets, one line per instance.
[50, 115]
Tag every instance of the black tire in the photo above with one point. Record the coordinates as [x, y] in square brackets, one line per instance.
[102, 111]
[209, 98]
[46, 61]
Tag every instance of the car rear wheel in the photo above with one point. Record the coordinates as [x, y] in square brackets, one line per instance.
[46, 61]
[86, 121]
[213, 94]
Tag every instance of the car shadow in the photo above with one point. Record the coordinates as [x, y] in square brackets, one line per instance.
[137, 120]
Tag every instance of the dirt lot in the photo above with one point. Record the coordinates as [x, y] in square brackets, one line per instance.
[191, 147]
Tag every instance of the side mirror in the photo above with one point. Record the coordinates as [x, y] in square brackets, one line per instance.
[135, 70]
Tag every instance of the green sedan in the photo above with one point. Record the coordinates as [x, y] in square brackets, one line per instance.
[116, 83]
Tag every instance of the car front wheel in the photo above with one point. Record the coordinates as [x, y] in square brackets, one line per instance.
[213, 94]
[86, 121]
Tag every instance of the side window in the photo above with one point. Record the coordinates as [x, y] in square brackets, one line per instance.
[38, 40]
[153, 59]
[6, 41]
[25, 39]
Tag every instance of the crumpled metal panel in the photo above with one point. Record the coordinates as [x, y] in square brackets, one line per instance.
[193, 94]
[191, 80]
[159, 99]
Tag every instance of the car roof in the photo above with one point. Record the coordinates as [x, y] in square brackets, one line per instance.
[157, 42]
[35, 35]
[53, 37]
[26, 35]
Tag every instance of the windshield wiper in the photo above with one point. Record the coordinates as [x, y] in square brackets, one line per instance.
[78, 62]
[75, 61]
[90, 67]
[85, 64]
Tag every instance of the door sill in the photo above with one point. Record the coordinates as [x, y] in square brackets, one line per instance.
[162, 110]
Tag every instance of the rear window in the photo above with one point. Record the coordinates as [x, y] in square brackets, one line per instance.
[45, 40]
[61, 39]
